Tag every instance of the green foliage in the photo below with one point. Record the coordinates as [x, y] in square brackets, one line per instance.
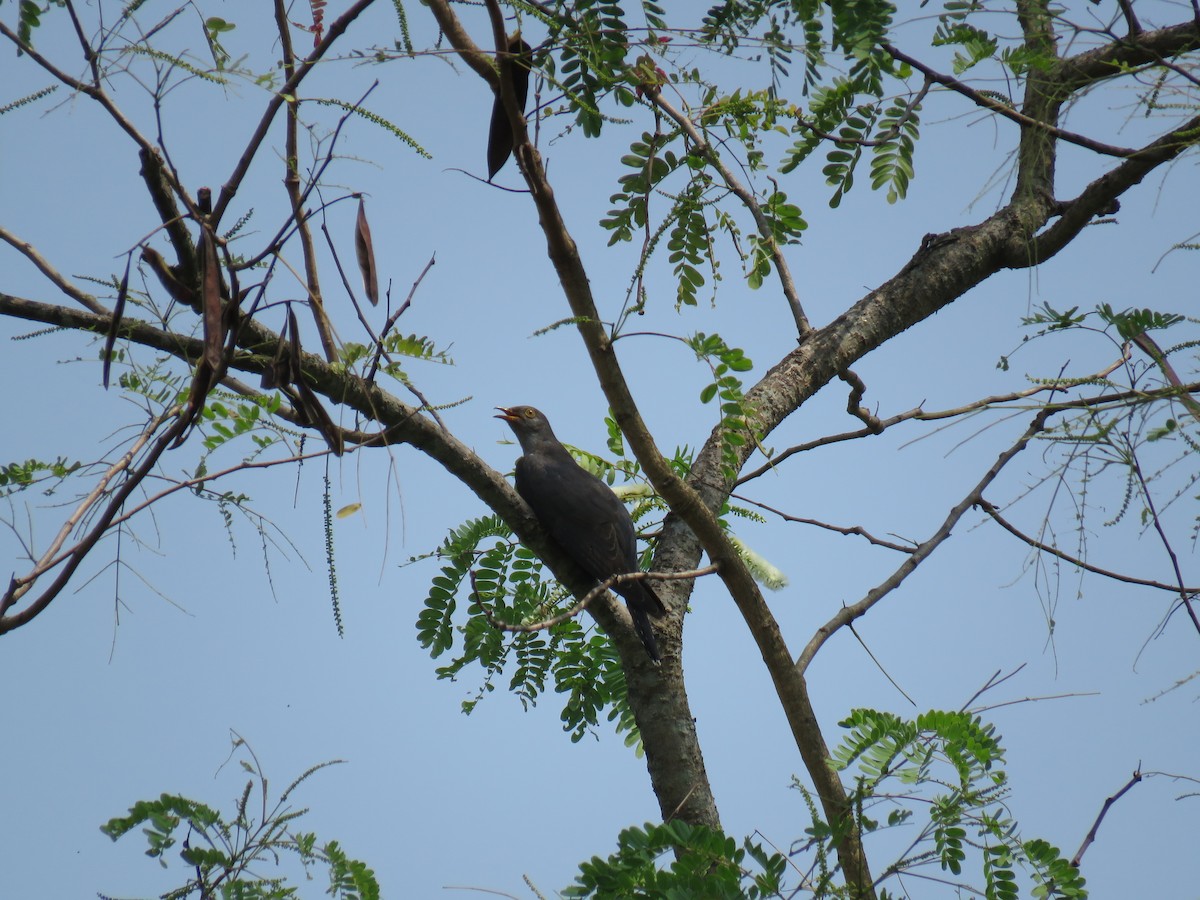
[736, 413]
[1053, 320]
[29, 98]
[747, 117]
[829, 108]
[842, 161]
[690, 245]
[410, 346]
[1133, 322]
[1054, 875]
[228, 422]
[651, 163]
[375, 119]
[29, 17]
[785, 224]
[710, 864]
[892, 163]
[229, 856]
[593, 42]
[482, 559]
[977, 43]
[690, 242]
[17, 476]
[214, 27]
[944, 768]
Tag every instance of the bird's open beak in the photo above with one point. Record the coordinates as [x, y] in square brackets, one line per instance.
[505, 414]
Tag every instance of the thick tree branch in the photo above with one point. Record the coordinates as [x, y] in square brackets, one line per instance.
[1037, 149]
[401, 424]
[480, 62]
[1074, 215]
[1117, 58]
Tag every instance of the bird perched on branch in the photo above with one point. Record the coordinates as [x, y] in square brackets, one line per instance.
[582, 514]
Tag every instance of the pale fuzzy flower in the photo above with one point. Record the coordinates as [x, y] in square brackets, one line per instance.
[764, 573]
[633, 491]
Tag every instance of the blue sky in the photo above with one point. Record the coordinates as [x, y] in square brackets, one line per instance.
[125, 689]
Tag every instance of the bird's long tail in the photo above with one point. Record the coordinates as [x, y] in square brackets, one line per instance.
[645, 631]
[644, 603]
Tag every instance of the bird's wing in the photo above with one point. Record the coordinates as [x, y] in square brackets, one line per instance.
[581, 513]
[592, 526]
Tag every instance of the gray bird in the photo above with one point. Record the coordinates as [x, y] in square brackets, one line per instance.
[582, 514]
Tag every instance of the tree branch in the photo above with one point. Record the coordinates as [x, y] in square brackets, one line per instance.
[993, 105]
[848, 614]
[291, 183]
[994, 512]
[1136, 778]
[336, 28]
[702, 146]
[31, 253]
[102, 514]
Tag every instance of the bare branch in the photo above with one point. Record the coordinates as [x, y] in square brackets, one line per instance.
[30, 252]
[291, 183]
[336, 28]
[878, 426]
[1185, 596]
[1091, 835]
[848, 614]
[103, 510]
[1008, 112]
[840, 529]
[994, 512]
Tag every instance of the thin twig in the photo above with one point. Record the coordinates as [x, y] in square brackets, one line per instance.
[704, 148]
[1007, 111]
[992, 682]
[857, 530]
[1091, 835]
[587, 598]
[1185, 595]
[920, 414]
[879, 665]
[858, 389]
[1068, 696]
[992, 511]
[848, 614]
[68, 563]
[336, 29]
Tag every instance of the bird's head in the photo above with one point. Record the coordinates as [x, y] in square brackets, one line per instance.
[529, 425]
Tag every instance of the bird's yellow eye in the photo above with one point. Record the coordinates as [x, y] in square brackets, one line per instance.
[528, 413]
